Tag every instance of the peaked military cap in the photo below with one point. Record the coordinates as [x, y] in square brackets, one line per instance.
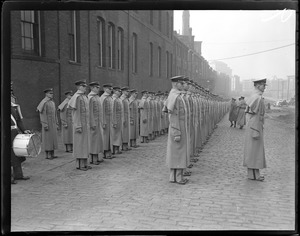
[48, 90]
[107, 85]
[94, 84]
[133, 91]
[125, 88]
[69, 92]
[116, 88]
[177, 78]
[80, 83]
[260, 81]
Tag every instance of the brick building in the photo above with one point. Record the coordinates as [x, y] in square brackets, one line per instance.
[57, 48]
[136, 48]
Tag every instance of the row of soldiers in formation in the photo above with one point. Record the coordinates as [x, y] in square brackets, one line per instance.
[98, 126]
[193, 115]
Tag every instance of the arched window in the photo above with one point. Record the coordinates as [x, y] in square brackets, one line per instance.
[111, 45]
[120, 49]
[151, 59]
[101, 41]
[159, 61]
[134, 53]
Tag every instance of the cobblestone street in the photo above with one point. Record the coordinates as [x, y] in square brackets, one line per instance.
[132, 192]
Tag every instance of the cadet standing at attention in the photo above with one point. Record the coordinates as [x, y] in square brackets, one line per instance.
[144, 117]
[66, 122]
[106, 104]
[117, 121]
[125, 125]
[177, 147]
[95, 134]
[49, 121]
[134, 118]
[80, 115]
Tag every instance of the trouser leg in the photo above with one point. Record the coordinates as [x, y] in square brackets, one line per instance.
[253, 173]
[176, 175]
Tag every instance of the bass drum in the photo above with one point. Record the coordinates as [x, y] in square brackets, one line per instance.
[28, 145]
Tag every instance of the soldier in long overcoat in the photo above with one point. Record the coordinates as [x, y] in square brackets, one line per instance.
[150, 116]
[254, 150]
[49, 121]
[95, 131]
[66, 122]
[125, 125]
[117, 121]
[144, 116]
[80, 115]
[233, 112]
[133, 118]
[106, 104]
[177, 144]
[241, 116]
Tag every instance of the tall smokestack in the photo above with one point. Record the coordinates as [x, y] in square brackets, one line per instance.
[186, 23]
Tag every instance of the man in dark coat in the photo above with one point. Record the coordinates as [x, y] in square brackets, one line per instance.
[17, 127]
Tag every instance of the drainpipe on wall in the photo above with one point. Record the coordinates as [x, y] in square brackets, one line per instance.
[59, 62]
[128, 53]
[89, 47]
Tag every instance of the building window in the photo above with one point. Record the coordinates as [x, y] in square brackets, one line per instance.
[120, 49]
[168, 25]
[159, 61]
[159, 20]
[151, 59]
[101, 41]
[74, 41]
[31, 32]
[134, 53]
[151, 17]
[167, 64]
[111, 45]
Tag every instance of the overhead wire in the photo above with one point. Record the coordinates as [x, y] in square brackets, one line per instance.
[252, 53]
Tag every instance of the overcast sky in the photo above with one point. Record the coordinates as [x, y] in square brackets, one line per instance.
[226, 34]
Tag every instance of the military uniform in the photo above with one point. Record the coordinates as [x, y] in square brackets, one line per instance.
[66, 122]
[49, 121]
[80, 115]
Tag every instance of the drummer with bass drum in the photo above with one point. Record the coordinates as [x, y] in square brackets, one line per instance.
[17, 127]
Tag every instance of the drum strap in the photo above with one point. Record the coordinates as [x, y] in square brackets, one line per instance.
[14, 122]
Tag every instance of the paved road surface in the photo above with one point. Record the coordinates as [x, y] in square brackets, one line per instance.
[132, 192]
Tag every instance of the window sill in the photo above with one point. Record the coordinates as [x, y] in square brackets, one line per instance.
[33, 58]
[74, 63]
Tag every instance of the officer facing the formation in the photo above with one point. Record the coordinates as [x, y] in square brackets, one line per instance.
[66, 122]
[177, 146]
[49, 121]
[254, 151]
[106, 104]
[17, 127]
[80, 116]
[133, 118]
[95, 132]
[126, 118]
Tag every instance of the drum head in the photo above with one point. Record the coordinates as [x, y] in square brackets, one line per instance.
[34, 146]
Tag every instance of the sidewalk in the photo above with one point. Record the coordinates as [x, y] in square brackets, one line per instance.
[132, 192]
